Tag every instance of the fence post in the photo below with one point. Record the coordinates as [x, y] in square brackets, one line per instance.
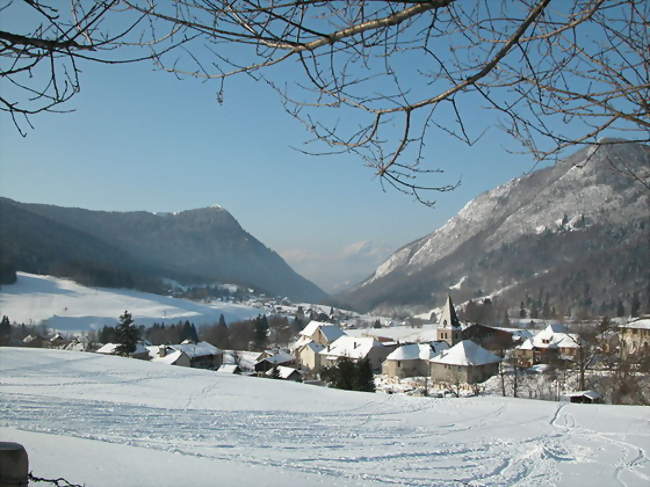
[14, 465]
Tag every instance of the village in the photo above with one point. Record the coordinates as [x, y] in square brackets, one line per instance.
[598, 362]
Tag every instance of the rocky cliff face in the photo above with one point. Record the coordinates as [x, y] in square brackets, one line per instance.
[196, 246]
[532, 231]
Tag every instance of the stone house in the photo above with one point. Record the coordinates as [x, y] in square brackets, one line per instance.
[635, 336]
[550, 344]
[464, 363]
[412, 360]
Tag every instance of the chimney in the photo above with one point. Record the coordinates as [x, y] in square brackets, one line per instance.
[162, 351]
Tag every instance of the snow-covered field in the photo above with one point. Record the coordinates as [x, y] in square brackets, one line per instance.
[63, 304]
[425, 333]
[107, 421]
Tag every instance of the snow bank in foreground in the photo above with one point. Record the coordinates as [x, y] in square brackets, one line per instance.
[65, 305]
[114, 421]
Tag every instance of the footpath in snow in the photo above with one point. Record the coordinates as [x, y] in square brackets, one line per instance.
[106, 421]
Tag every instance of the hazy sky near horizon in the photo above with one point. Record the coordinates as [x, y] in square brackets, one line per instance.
[143, 140]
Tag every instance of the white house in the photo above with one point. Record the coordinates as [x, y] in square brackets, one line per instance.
[356, 349]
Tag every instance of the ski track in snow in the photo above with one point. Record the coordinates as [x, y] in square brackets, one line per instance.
[369, 447]
[384, 440]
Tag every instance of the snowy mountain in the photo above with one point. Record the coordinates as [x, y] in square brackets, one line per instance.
[65, 305]
[105, 421]
[139, 249]
[537, 231]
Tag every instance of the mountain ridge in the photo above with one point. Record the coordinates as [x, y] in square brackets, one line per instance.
[588, 192]
[200, 245]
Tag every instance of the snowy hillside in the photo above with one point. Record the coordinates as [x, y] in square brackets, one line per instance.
[106, 421]
[65, 305]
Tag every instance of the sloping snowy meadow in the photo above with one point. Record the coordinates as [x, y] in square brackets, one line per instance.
[63, 304]
[106, 421]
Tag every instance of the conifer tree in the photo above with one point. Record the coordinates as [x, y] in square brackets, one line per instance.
[506, 319]
[620, 310]
[365, 379]
[261, 332]
[126, 334]
[635, 306]
[5, 330]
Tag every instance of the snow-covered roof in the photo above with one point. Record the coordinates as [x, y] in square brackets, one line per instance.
[351, 347]
[330, 332]
[593, 395]
[169, 359]
[108, 348]
[643, 322]
[515, 332]
[448, 316]
[418, 351]
[300, 342]
[244, 358]
[111, 349]
[278, 358]
[228, 369]
[283, 372]
[29, 339]
[200, 349]
[466, 353]
[316, 347]
[553, 336]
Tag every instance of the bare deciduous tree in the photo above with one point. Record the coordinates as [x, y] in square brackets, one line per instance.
[375, 78]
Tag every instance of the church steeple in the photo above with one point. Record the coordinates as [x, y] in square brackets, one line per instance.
[449, 329]
[449, 318]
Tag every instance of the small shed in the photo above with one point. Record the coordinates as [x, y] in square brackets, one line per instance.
[585, 397]
[285, 373]
[267, 363]
[229, 369]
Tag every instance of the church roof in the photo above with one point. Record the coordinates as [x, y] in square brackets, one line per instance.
[448, 317]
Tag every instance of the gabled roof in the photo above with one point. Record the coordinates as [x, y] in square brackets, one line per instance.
[448, 316]
[194, 350]
[466, 353]
[330, 332]
[639, 323]
[278, 358]
[170, 358]
[418, 351]
[553, 336]
[351, 347]
[228, 369]
[111, 349]
[283, 372]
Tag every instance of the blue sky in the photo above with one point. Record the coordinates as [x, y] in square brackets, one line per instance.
[143, 140]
